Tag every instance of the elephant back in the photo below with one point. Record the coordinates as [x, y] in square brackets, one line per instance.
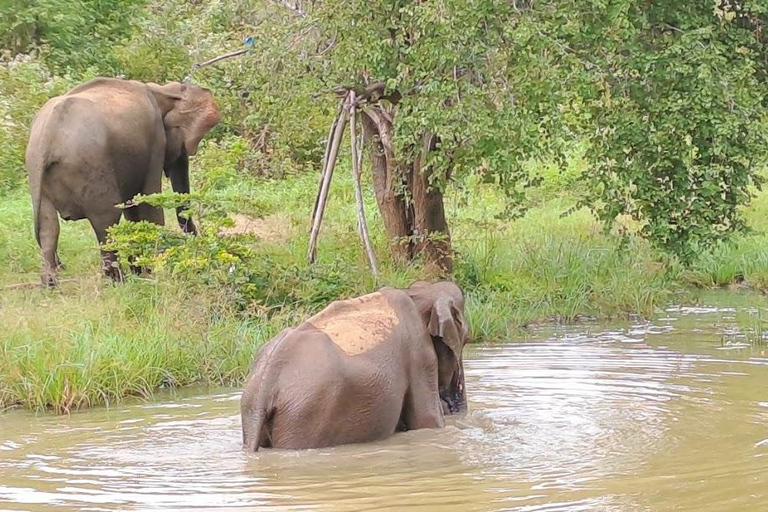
[358, 325]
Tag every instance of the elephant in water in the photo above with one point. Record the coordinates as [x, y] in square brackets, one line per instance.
[102, 143]
[360, 370]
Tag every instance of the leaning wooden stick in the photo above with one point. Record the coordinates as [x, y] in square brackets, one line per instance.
[325, 185]
[362, 227]
[324, 165]
[214, 60]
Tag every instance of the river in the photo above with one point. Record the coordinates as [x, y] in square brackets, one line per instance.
[667, 415]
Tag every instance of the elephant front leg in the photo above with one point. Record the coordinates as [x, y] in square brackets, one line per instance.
[144, 212]
[185, 222]
[422, 408]
[178, 172]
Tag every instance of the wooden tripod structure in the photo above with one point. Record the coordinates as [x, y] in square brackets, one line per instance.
[347, 112]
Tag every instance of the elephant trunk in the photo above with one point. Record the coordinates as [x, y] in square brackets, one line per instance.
[454, 397]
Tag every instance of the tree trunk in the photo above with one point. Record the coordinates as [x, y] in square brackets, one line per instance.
[412, 210]
[433, 239]
[388, 185]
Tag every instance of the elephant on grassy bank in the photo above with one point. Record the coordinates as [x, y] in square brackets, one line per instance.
[360, 370]
[104, 142]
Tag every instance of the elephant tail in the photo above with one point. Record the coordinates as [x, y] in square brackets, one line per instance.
[257, 415]
[39, 161]
[36, 200]
[258, 402]
[36, 178]
[255, 431]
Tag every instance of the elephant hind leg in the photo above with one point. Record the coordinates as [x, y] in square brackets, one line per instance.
[148, 213]
[48, 239]
[100, 223]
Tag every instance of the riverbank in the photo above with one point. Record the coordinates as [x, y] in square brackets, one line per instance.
[630, 409]
[91, 342]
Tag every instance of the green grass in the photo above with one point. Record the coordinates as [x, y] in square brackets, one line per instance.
[91, 342]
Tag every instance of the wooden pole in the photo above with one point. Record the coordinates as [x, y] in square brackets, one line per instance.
[325, 185]
[324, 165]
[362, 227]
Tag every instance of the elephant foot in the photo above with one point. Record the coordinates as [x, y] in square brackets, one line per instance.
[115, 274]
[188, 227]
[49, 276]
[111, 267]
[139, 270]
[49, 281]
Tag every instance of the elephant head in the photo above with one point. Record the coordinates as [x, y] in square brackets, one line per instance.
[189, 112]
[441, 306]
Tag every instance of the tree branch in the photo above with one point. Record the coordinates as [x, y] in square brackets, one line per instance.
[208, 62]
[292, 5]
[372, 93]
[229, 55]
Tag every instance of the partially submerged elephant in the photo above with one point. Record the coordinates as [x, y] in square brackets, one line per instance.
[360, 370]
[102, 143]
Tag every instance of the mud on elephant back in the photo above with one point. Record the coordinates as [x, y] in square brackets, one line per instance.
[360, 370]
[101, 144]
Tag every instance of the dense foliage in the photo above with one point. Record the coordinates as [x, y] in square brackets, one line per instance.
[676, 96]
[664, 101]
[70, 36]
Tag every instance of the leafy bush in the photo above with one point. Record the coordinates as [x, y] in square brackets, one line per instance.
[230, 265]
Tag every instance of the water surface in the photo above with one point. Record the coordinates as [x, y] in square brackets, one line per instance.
[670, 415]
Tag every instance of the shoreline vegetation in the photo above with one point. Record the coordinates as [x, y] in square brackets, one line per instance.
[92, 342]
[491, 121]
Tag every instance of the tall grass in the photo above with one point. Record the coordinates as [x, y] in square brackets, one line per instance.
[91, 342]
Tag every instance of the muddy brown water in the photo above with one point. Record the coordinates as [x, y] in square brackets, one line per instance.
[669, 415]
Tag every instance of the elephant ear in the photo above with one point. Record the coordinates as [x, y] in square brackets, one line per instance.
[447, 323]
[167, 95]
[188, 108]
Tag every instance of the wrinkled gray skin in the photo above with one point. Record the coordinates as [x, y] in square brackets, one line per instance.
[102, 143]
[304, 391]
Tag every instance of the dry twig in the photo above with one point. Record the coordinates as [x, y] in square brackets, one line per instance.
[31, 285]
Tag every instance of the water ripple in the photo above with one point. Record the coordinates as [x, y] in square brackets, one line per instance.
[638, 418]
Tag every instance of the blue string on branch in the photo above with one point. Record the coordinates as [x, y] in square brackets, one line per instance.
[249, 44]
